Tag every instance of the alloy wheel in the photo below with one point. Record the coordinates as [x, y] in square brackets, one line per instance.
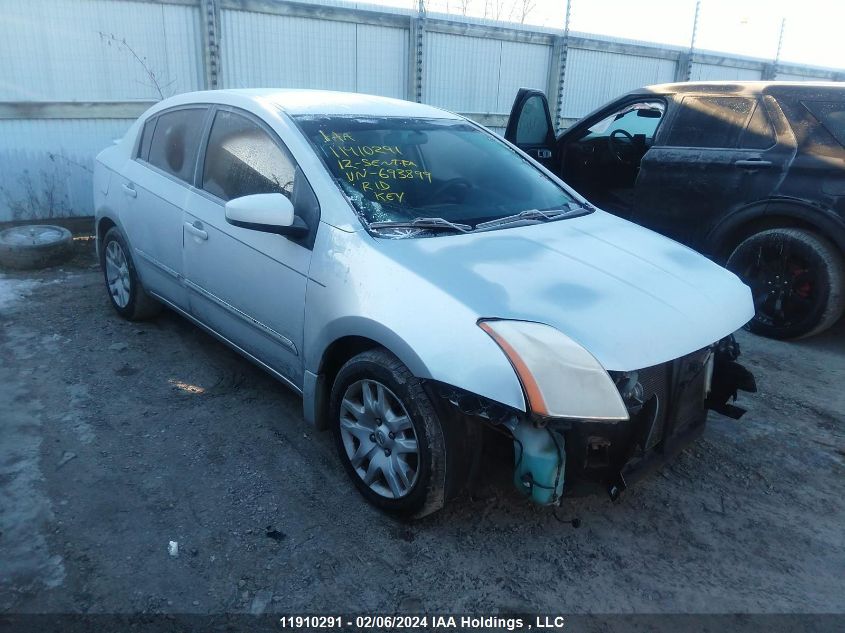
[783, 284]
[117, 274]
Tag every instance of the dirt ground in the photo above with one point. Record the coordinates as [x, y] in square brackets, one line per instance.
[117, 437]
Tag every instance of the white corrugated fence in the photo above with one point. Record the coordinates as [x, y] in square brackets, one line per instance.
[75, 73]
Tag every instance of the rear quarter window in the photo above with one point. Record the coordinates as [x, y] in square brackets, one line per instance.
[831, 114]
[146, 138]
[175, 142]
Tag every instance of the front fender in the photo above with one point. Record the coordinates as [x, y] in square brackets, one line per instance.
[353, 290]
[367, 328]
[459, 355]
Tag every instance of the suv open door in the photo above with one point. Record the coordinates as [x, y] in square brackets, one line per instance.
[530, 127]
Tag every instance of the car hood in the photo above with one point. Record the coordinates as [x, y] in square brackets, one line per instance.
[631, 297]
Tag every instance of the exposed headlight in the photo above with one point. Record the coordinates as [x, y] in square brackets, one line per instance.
[561, 379]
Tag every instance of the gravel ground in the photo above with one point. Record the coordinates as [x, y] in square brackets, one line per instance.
[117, 437]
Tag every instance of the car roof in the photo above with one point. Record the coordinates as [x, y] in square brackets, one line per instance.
[745, 87]
[303, 102]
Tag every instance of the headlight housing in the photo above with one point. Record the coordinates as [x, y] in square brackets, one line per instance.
[560, 378]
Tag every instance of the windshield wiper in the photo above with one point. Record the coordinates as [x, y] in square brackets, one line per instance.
[441, 224]
[570, 209]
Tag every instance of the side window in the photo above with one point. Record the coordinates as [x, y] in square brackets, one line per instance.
[815, 126]
[533, 126]
[175, 142]
[242, 159]
[759, 134]
[831, 114]
[710, 122]
[636, 118]
[146, 138]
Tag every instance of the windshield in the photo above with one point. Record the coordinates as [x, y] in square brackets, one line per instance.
[631, 120]
[397, 170]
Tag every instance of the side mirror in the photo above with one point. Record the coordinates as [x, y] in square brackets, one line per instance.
[267, 212]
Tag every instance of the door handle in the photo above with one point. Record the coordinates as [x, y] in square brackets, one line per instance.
[543, 153]
[196, 230]
[129, 190]
[753, 162]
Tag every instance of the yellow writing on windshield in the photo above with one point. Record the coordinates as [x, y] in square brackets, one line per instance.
[336, 136]
[377, 170]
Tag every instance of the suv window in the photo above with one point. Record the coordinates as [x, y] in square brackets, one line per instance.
[642, 117]
[175, 142]
[759, 134]
[710, 122]
[831, 114]
[243, 159]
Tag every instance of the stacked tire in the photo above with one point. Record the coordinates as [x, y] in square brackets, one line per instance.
[34, 246]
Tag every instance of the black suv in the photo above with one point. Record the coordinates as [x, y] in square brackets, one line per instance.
[750, 173]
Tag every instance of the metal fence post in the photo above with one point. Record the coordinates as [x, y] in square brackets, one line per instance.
[210, 28]
[688, 69]
[770, 71]
[416, 54]
[557, 70]
[553, 80]
[682, 66]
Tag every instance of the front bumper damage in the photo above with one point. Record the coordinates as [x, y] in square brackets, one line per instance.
[667, 406]
[667, 412]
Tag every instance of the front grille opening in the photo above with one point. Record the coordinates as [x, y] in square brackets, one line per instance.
[661, 397]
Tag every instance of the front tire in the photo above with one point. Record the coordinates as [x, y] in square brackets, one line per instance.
[389, 436]
[796, 279]
[126, 294]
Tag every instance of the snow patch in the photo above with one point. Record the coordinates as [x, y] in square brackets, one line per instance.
[13, 290]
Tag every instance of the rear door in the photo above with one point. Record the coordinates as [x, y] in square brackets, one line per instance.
[155, 187]
[530, 127]
[718, 154]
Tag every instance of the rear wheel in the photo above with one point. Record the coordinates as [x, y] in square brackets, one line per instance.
[125, 292]
[393, 444]
[796, 279]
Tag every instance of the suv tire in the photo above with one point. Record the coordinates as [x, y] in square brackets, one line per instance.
[797, 279]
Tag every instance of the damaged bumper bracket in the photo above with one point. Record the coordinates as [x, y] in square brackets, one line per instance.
[729, 377]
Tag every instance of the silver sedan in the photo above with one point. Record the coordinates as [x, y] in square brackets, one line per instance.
[419, 281]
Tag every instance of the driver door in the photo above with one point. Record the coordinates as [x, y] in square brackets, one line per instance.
[601, 156]
[530, 127]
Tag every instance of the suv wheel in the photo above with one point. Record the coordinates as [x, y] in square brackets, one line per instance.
[125, 292]
[796, 279]
[390, 438]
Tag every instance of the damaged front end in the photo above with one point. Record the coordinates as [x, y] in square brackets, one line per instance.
[666, 407]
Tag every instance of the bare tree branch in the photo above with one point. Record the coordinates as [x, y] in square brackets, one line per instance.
[122, 44]
[527, 7]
